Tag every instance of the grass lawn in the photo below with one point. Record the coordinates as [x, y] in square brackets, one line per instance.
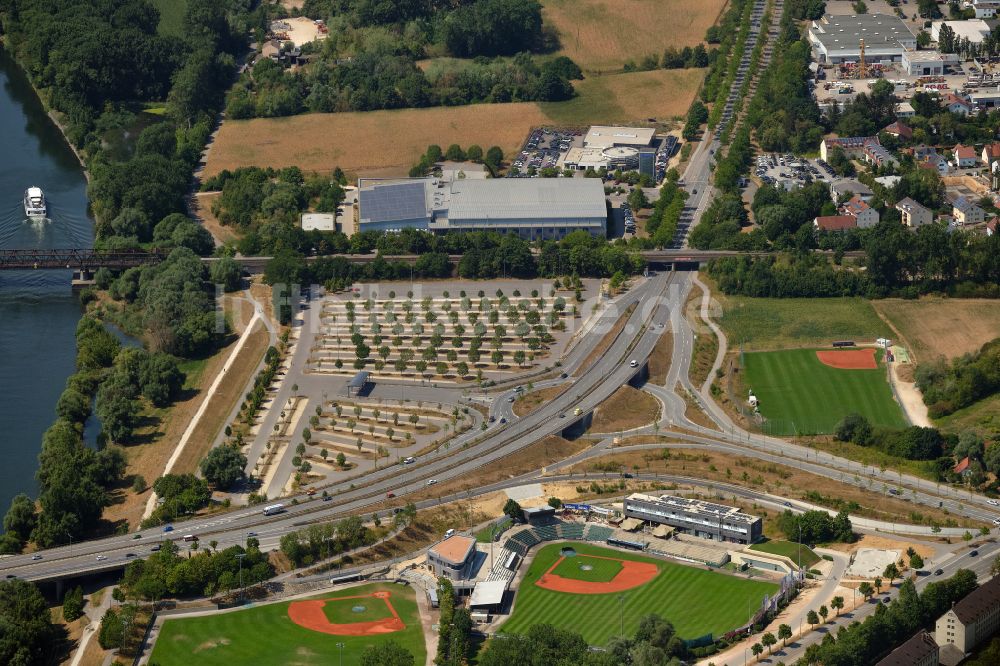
[800, 395]
[756, 324]
[171, 16]
[788, 549]
[265, 634]
[983, 417]
[695, 600]
[599, 571]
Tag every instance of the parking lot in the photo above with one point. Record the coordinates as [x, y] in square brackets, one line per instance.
[543, 148]
[791, 171]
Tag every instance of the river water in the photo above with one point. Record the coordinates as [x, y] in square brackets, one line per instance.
[38, 312]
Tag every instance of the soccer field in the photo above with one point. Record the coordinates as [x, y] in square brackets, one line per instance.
[799, 395]
[696, 601]
[266, 635]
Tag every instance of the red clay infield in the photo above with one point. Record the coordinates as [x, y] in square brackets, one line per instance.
[309, 614]
[848, 359]
[633, 574]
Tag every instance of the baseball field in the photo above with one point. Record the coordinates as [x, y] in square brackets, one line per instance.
[301, 632]
[800, 394]
[581, 593]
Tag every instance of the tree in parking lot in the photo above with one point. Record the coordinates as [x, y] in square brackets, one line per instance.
[891, 572]
[812, 618]
[837, 604]
[784, 633]
[768, 640]
[823, 612]
[757, 650]
[866, 590]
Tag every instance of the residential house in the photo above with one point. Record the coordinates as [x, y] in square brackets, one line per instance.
[991, 226]
[854, 146]
[859, 209]
[935, 163]
[921, 650]
[845, 188]
[921, 152]
[970, 622]
[984, 8]
[899, 130]
[967, 213]
[914, 215]
[964, 467]
[835, 223]
[964, 157]
[879, 155]
[957, 104]
[991, 154]
[905, 110]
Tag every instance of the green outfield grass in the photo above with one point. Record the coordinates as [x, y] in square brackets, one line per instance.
[265, 634]
[695, 600]
[757, 324]
[801, 396]
[601, 571]
[171, 16]
[789, 550]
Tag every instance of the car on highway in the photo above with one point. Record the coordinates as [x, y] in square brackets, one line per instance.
[36, 557]
[993, 502]
[251, 534]
[168, 528]
[938, 572]
[996, 521]
[328, 498]
[787, 503]
[136, 536]
[886, 600]
[128, 555]
[510, 399]
[409, 460]
[155, 548]
[503, 420]
[101, 558]
[431, 482]
[973, 553]
[634, 363]
[390, 494]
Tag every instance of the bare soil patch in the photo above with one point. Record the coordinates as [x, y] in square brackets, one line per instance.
[529, 402]
[949, 327]
[659, 359]
[627, 408]
[203, 211]
[848, 359]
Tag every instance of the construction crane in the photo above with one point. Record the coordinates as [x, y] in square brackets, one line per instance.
[862, 67]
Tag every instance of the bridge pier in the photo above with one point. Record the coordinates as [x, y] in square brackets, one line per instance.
[82, 278]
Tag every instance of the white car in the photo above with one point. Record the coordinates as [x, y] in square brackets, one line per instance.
[101, 558]
[634, 363]
[431, 482]
[993, 502]
[996, 521]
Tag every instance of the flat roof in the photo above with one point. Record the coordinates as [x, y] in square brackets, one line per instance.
[527, 198]
[603, 136]
[697, 506]
[393, 200]
[488, 593]
[975, 30]
[844, 32]
[454, 549]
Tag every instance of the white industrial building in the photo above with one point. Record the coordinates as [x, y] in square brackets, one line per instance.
[609, 148]
[984, 8]
[975, 30]
[533, 208]
[927, 63]
[837, 39]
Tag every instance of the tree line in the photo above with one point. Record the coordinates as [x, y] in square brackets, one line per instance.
[814, 527]
[325, 540]
[890, 625]
[948, 386]
[99, 65]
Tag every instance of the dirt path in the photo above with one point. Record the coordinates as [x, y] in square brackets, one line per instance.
[910, 399]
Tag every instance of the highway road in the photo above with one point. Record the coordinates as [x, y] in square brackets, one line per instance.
[645, 324]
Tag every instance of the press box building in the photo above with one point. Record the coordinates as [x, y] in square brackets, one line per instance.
[533, 208]
[698, 517]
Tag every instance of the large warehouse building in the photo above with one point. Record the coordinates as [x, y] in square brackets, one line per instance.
[837, 39]
[533, 208]
[698, 517]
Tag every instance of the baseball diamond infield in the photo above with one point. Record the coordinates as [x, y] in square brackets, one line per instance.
[632, 574]
[695, 600]
[848, 359]
[311, 635]
[310, 614]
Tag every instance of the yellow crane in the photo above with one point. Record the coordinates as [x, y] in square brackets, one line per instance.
[862, 67]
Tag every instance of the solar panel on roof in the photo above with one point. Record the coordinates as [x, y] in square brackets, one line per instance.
[394, 202]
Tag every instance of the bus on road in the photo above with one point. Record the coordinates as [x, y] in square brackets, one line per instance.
[273, 509]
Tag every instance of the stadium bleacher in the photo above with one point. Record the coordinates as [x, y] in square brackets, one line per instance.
[598, 533]
[571, 531]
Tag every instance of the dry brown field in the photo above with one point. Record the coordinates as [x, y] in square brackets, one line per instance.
[949, 327]
[388, 143]
[600, 35]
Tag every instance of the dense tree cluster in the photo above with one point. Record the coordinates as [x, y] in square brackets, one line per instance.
[662, 223]
[951, 385]
[655, 644]
[325, 540]
[814, 527]
[369, 60]
[455, 629]
[253, 198]
[889, 626]
[913, 443]
[179, 495]
[98, 63]
[223, 466]
[729, 30]
[28, 637]
[168, 573]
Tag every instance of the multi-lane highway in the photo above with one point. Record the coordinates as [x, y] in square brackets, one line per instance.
[655, 301]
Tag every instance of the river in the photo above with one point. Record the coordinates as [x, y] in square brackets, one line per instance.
[38, 312]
